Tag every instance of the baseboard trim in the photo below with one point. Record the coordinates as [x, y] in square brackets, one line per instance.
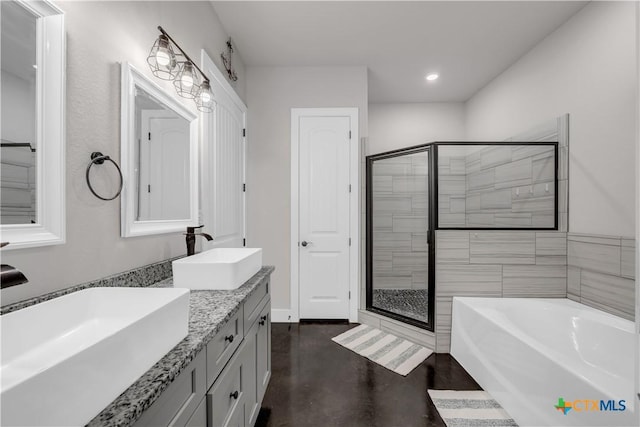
[282, 315]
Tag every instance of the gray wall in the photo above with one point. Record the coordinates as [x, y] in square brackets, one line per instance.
[271, 94]
[400, 221]
[99, 35]
[394, 126]
[496, 186]
[504, 264]
[511, 186]
[563, 74]
[601, 273]
[452, 187]
[497, 264]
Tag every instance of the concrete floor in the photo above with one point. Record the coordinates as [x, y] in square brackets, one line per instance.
[316, 382]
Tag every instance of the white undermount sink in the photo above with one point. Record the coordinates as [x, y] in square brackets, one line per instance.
[219, 268]
[65, 360]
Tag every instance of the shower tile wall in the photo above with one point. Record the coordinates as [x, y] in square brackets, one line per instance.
[400, 220]
[601, 273]
[510, 187]
[452, 178]
[497, 186]
[498, 264]
[505, 263]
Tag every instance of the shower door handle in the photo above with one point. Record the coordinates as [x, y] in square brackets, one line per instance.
[429, 236]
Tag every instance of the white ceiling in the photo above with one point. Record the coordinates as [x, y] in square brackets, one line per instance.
[467, 43]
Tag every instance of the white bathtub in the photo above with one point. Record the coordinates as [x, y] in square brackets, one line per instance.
[527, 353]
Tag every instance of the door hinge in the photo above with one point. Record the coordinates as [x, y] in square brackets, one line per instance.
[244, 188]
[244, 133]
[349, 134]
[149, 188]
[349, 188]
[349, 294]
[244, 242]
[149, 136]
[349, 241]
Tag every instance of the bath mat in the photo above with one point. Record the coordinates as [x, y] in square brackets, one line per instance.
[394, 353]
[469, 408]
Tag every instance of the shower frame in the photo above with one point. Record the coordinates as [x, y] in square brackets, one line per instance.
[432, 149]
[431, 185]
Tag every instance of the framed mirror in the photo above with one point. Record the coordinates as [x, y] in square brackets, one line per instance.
[159, 157]
[32, 131]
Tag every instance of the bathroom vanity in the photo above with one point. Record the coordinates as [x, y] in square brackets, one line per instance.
[217, 376]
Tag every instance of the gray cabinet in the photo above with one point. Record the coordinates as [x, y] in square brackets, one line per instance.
[263, 351]
[199, 417]
[223, 345]
[253, 305]
[251, 403]
[225, 399]
[257, 353]
[177, 403]
[226, 382]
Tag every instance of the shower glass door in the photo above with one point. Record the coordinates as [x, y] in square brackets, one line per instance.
[399, 237]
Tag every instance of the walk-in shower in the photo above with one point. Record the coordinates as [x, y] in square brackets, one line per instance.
[413, 192]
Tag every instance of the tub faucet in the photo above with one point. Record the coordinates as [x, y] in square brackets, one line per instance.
[191, 238]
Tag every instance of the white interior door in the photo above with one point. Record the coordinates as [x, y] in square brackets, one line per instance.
[165, 190]
[223, 167]
[323, 251]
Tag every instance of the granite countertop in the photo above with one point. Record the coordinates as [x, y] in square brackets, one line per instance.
[208, 312]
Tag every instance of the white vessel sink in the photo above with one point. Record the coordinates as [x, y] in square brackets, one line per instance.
[220, 268]
[65, 360]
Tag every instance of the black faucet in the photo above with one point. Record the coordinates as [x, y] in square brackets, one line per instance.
[9, 275]
[191, 239]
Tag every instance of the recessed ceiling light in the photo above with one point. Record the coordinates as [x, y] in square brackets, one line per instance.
[431, 77]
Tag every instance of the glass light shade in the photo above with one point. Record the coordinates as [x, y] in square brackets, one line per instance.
[162, 60]
[204, 98]
[187, 81]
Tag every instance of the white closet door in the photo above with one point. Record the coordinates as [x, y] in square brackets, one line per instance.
[324, 217]
[223, 163]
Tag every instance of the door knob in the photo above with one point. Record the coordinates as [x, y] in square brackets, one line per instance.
[305, 243]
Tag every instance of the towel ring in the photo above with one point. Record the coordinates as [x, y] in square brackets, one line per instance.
[99, 158]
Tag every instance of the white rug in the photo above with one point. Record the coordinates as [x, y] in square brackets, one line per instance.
[394, 353]
[469, 408]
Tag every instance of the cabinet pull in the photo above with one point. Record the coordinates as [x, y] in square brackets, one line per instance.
[262, 320]
[234, 395]
[229, 338]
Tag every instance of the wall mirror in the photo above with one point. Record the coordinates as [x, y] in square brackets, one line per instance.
[32, 124]
[159, 159]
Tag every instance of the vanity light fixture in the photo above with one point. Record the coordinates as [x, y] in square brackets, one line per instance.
[431, 77]
[166, 64]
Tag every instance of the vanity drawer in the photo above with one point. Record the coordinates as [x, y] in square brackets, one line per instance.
[199, 417]
[253, 304]
[179, 401]
[225, 400]
[221, 347]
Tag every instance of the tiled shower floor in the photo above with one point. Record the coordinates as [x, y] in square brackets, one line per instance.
[407, 302]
